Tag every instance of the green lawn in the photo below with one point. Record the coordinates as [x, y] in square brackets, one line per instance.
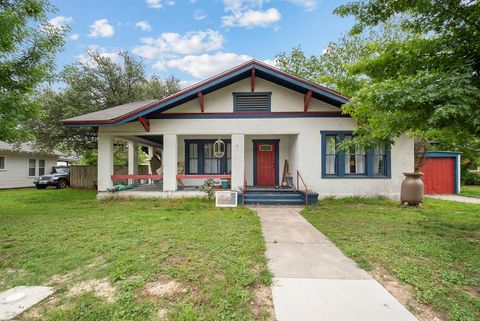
[132, 260]
[435, 248]
[470, 190]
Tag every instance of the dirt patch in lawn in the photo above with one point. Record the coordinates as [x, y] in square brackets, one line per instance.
[262, 303]
[99, 287]
[162, 287]
[404, 293]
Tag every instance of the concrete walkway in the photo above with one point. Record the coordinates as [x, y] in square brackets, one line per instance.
[456, 198]
[313, 280]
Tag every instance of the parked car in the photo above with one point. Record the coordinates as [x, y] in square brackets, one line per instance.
[59, 177]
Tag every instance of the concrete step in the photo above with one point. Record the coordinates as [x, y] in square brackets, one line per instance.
[275, 201]
[273, 195]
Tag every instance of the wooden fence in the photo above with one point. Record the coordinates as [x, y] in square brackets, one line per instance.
[85, 176]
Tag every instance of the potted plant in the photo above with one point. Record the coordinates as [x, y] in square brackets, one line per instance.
[411, 192]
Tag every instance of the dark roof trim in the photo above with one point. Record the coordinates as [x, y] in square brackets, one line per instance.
[221, 80]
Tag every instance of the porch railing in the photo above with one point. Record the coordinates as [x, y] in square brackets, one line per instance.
[300, 178]
[156, 176]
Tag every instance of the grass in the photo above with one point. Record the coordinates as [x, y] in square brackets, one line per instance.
[65, 237]
[434, 248]
[470, 191]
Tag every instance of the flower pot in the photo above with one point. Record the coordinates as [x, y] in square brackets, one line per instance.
[412, 189]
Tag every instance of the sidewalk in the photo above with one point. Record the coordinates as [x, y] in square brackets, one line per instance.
[313, 280]
[455, 198]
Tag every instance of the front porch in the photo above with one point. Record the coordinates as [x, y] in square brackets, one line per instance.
[180, 164]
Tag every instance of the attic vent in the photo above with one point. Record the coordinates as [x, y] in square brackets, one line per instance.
[244, 102]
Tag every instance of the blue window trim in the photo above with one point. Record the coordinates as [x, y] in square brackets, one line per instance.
[201, 158]
[276, 143]
[341, 159]
[257, 93]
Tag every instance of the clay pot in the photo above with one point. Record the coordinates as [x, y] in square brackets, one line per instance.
[412, 189]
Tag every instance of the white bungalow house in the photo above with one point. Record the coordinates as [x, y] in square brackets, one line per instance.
[265, 117]
[20, 164]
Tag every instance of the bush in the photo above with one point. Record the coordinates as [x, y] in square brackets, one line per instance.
[470, 178]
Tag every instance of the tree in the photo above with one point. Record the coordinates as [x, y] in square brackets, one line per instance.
[330, 68]
[93, 84]
[28, 45]
[426, 84]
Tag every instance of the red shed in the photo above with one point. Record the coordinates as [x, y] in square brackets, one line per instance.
[441, 173]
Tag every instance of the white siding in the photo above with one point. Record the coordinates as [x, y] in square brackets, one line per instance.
[15, 173]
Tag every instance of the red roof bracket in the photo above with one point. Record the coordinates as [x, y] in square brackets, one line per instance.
[252, 80]
[145, 123]
[201, 101]
[306, 100]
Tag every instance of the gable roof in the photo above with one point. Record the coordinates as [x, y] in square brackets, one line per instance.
[27, 147]
[128, 112]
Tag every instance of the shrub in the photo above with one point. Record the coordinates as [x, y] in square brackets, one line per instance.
[470, 178]
[208, 188]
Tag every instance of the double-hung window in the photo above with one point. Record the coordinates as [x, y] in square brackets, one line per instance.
[2, 163]
[200, 158]
[355, 162]
[32, 167]
[41, 167]
[380, 161]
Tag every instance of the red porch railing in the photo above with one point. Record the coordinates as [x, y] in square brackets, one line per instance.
[156, 176]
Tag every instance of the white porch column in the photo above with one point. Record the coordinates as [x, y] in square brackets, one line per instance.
[170, 161]
[132, 160]
[238, 161]
[105, 161]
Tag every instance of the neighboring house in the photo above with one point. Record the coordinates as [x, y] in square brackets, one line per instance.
[265, 116]
[20, 164]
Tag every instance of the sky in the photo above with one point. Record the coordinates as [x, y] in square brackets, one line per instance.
[195, 39]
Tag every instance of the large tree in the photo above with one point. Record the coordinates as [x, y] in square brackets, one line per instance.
[93, 84]
[427, 84]
[331, 67]
[28, 45]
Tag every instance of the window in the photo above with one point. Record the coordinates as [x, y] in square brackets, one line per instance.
[331, 157]
[2, 163]
[251, 102]
[379, 161]
[31, 167]
[192, 159]
[355, 162]
[199, 158]
[41, 167]
[211, 164]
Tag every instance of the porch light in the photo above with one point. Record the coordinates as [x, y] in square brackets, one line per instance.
[219, 148]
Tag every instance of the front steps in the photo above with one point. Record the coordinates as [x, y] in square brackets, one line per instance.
[278, 197]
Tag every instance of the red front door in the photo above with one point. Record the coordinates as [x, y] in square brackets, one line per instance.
[265, 166]
[439, 175]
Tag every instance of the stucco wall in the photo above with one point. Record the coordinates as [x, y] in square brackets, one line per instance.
[16, 169]
[283, 99]
[304, 148]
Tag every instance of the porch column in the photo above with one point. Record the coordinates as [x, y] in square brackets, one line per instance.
[105, 161]
[132, 160]
[238, 161]
[170, 161]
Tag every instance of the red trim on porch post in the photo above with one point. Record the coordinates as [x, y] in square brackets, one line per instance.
[201, 101]
[145, 123]
[306, 100]
[252, 80]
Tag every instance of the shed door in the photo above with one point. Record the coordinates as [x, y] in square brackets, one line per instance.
[439, 175]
